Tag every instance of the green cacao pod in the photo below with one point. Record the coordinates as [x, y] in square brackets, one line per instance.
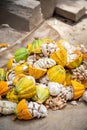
[21, 54]
[42, 94]
[35, 47]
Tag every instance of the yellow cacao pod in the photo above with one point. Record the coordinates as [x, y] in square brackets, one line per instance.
[25, 88]
[2, 74]
[10, 63]
[11, 96]
[23, 68]
[4, 45]
[84, 82]
[3, 88]
[68, 79]
[60, 41]
[47, 40]
[57, 74]
[78, 89]
[22, 111]
[17, 78]
[77, 61]
[35, 47]
[85, 56]
[60, 56]
[36, 72]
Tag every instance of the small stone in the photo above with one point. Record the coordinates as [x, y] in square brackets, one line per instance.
[73, 103]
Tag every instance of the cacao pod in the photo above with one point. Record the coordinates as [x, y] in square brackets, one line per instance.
[42, 94]
[47, 40]
[76, 62]
[22, 111]
[2, 74]
[25, 88]
[17, 78]
[10, 63]
[23, 68]
[78, 89]
[57, 74]
[36, 72]
[21, 54]
[60, 56]
[3, 88]
[35, 47]
[11, 96]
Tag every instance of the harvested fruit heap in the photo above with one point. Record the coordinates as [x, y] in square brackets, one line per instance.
[46, 74]
[4, 46]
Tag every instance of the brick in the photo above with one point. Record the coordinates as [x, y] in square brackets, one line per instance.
[24, 13]
[70, 9]
[48, 7]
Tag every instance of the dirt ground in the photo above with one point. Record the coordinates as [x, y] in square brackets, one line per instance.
[71, 117]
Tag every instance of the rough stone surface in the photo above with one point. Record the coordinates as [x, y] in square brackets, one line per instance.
[70, 9]
[25, 13]
[48, 7]
[9, 35]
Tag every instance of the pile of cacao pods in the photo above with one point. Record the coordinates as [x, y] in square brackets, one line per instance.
[46, 74]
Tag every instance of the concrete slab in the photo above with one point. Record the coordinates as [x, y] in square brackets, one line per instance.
[48, 7]
[26, 13]
[83, 2]
[9, 35]
[70, 9]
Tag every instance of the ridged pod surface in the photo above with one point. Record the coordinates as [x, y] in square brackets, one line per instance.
[22, 111]
[21, 54]
[2, 74]
[36, 72]
[60, 56]
[35, 47]
[11, 96]
[25, 88]
[78, 89]
[3, 88]
[57, 74]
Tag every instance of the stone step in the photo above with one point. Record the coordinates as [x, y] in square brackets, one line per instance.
[24, 13]
[48, 7]
[70, 9]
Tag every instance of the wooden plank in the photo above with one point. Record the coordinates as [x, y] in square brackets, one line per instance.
[44, 31]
